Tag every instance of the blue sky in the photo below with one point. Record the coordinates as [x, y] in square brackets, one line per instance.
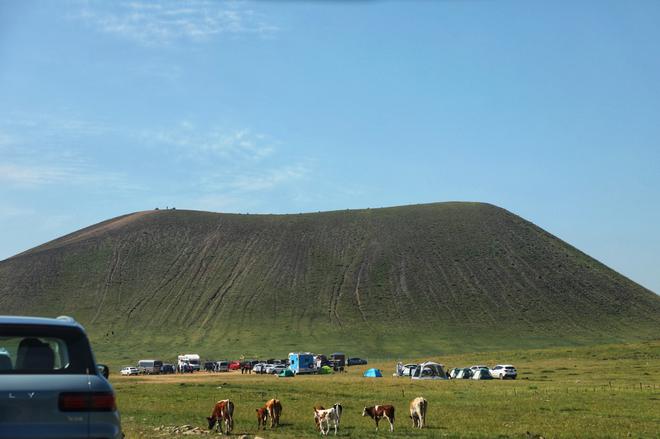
[548, 109]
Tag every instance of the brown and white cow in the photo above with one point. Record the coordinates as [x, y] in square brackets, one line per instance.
[274, 409]
[331, 415]
[316, 419]
[223, 411]
[380, 411]
[418, 408]
[262, 417]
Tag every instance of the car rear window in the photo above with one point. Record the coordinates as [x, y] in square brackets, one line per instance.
[42, 349]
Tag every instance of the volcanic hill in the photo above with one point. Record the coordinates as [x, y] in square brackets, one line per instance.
[410, 280]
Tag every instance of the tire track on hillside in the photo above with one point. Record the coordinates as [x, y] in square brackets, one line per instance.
[165, 282]
[114, 264]
[438, 267]
[199, 262]
[215, 301]
[357, 293]
[338, 280]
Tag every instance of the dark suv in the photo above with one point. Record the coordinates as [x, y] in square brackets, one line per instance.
[50, 384]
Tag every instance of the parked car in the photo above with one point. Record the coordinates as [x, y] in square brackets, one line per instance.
[55, 387]
[355, 361]
[222, 366]
[259, 368]
[275, 368]
[453, 373]
[234, 365]
[504, 371]
[167, 368]
[129, 370]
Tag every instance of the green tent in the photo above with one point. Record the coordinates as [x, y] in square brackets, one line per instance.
[286, 373]
[325, 370]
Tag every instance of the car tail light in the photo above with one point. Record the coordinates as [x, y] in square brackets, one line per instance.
[87, 402]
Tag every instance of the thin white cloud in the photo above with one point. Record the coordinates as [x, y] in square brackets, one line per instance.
[270, 179]
[157, 24]
[9, 211]
[191, 141]
[74, 174]
[49, 125]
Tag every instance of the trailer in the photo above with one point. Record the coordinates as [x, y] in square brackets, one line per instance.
[338, 359]
[190, 361]
[301, 362]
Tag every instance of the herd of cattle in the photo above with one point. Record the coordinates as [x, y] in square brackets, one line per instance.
[223, 414]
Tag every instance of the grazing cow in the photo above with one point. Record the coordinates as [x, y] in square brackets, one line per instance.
[326, 417]
[274, 409]
[380, 411]
[338, 408]
[331, 415]
[262, 417]
[316, 418]
[418, 408]
[222, 412]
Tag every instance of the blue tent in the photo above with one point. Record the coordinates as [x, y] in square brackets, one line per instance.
[373, 373]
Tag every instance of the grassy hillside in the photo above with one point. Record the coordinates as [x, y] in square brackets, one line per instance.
[421, 279]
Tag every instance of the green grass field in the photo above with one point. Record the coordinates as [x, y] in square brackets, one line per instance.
[598, 391]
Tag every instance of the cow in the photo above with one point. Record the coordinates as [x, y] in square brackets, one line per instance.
[274, 409]
[316, 419]
[262, 417]
[326, 417]
[223, 411]
[331, 415]
[418, 408]
[380, 411]
[338, 408]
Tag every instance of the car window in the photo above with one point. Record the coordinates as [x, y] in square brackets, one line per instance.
[44, 350]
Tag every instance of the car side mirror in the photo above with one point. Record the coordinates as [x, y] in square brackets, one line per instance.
[103, 370]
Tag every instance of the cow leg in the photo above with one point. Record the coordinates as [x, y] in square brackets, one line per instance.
[391, 424]
[377, 419]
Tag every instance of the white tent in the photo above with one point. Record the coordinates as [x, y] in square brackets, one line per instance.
[482, 374]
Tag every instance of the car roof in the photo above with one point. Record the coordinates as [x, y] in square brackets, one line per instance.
[45, 321]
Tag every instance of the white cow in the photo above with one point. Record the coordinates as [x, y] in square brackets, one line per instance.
[418, 408]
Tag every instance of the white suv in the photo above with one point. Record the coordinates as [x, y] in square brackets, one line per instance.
[503, 371]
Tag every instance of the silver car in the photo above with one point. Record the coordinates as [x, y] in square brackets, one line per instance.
[50, 384]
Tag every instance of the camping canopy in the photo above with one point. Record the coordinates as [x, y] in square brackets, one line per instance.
[286, 373]
[325, 370]
[373, 373]
[429, 371]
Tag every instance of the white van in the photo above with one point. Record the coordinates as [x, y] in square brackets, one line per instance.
[149, 367]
